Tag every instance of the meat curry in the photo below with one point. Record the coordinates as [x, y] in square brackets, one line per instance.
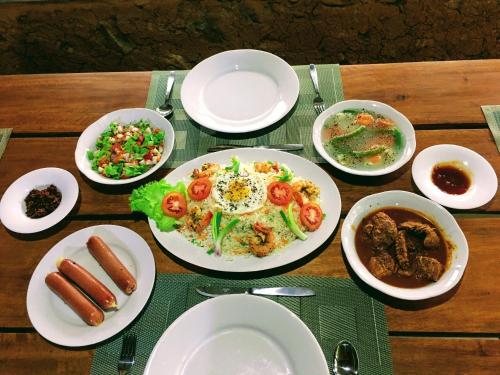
[401, 247]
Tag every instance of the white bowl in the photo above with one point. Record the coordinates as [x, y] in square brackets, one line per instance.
[402, 122]
[89, 136]
[430, 209]
[13, 209]
[484, 182]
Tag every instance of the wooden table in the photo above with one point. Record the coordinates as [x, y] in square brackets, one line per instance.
[456, 334]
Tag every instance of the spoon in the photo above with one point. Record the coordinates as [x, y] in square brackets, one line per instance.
[166, 108]
[345, 359]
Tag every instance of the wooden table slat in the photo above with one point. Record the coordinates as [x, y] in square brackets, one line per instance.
[411, 356]
[96, 199]
[70, 102]
[476, 297]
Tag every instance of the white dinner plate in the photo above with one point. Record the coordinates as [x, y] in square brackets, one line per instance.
[88, 138]
[13, 209]
[239, 91]
[330, 203]
[237, 334]
[433, 211]
[56, 321]
[484, 181]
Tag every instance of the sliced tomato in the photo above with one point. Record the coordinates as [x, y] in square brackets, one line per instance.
[279, 193]
[116, 158]
[148, 156]
[174, 204]
[200, 188]
[311, 216]
[116, 148]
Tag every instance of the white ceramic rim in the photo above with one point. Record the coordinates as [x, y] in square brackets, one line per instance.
[403, 123]
[55, 321]
[431, 210]
[191, 89]
[477, 195]
[330, 199]
[89, 136]
[13, 199]
[267, 316]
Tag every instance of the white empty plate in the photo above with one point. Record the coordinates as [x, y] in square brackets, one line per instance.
[484, 181]
[240, 91]
[56, 321]
[13, 209]
[237, 334]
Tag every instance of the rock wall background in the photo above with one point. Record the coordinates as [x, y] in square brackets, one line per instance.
[113, 35]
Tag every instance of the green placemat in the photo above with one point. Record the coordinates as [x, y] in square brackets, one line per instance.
[192, 141]
[340, 310]
[492, 115]
[4, 138]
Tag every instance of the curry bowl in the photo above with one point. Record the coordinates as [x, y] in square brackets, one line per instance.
[450, 234]
[364, 137]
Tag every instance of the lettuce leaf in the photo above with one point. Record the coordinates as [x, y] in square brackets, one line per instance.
[148, 198]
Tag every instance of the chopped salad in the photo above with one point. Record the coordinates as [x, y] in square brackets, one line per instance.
[127, 150]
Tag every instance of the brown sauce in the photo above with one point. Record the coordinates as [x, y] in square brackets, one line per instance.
[450, 178]
[365, 250]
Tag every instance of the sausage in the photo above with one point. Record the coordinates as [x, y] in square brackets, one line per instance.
[88, 283]
[111, 264]
[75, 299]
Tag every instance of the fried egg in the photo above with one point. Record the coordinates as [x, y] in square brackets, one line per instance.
[239, 193]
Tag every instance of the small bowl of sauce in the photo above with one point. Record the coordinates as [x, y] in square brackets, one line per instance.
[454, 176]
[451, 177]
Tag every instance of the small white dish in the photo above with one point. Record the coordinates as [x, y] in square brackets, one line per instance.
[484, 181]
[13, 209]
[402, 122]
[237, 334]
[88, 138]
[239, 91]
[431, 210]
[56, 321]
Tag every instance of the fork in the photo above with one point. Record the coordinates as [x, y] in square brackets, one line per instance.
[318, 102]
[127, 355]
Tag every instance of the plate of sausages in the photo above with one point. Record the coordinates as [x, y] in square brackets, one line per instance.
[90, 285]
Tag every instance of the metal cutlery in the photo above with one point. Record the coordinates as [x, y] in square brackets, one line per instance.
[318, 102]
[214, 291]
[127, 355]
[280, 147]
[166, 108]
[345, 359]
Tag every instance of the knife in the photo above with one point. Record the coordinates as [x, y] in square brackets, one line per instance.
[214, 291]
[280, 147]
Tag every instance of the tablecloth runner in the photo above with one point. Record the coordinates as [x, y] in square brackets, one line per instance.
[340, 310]
[193, 141]
[492, 115]
[4, 138]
